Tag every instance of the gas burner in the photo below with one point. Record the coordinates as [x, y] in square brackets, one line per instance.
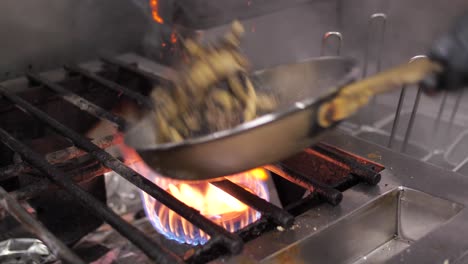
[218, 216]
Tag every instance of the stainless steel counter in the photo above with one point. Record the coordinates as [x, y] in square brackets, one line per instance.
[417, 214]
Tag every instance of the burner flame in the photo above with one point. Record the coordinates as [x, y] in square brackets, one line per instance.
[210, 201]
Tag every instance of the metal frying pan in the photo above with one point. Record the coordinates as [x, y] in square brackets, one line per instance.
[314, 96]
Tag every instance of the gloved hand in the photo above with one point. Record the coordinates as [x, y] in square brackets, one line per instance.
[451, 51]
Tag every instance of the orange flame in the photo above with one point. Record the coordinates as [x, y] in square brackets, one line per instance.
[156, 17]
[210, 201]
[155, 11]
[173, 37]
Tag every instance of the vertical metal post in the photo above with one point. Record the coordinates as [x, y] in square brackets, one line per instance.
[396, 120]
[437, 121]
[456, 106]
[411, 121]
[414, 111]
[373, 18]
[327, 36]
[454, 113]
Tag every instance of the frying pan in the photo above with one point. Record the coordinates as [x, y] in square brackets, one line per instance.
[314, 96]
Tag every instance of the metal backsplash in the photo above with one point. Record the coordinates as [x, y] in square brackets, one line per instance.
[205, 14]
[48, 33]
[432, 129]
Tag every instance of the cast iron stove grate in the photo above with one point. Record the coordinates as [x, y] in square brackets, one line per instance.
[322, 170]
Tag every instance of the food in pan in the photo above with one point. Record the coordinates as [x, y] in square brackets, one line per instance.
[212, 92]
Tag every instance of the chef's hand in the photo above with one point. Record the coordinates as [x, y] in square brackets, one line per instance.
[451, 51]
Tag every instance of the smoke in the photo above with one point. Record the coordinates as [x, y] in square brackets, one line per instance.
[156, 43]
[47, 34]
[144, 7]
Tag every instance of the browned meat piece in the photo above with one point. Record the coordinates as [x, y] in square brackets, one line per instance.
[211, 93]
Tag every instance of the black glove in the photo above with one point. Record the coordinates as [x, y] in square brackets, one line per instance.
[451, 51]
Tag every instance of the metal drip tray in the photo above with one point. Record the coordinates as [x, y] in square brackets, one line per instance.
[416, 214]
[379, 230]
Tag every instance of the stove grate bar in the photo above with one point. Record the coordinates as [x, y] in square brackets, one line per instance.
[14, 208]
[268, 210]
[149, 247]
[69, 153]
[137, 97]
[359, 170]
[78, 176]
[329, 194]
[231, 241]
[207, 252]
[43, 185]
[80, 102]
[203, 254]
[58, 157]
[134, 70]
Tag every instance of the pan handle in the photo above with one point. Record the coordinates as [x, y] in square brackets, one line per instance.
[350, 98]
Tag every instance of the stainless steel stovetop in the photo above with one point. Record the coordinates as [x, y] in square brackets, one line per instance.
[417, 214]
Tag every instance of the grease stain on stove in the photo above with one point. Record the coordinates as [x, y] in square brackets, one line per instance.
[294, 227]
[189, 253]
[374, 156]
[290, 255]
